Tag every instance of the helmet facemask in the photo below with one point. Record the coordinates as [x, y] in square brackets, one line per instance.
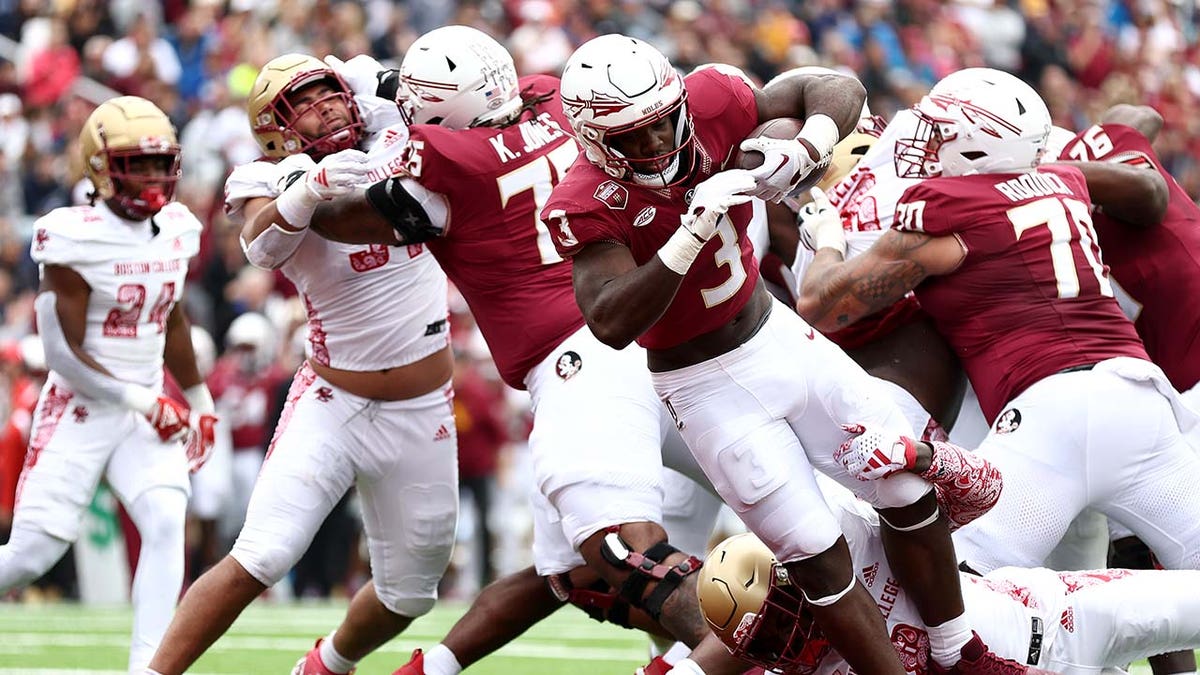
[783, 635]
[665, 170]
[281, 115]
[155, 191]
[917, 156]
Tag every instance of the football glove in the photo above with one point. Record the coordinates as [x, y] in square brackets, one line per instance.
[713, 198]
[872, 454]
[821, 224]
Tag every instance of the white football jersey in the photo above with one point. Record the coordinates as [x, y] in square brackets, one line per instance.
[369, 307]
[866, 197]
[1001, 606]
[136, 272]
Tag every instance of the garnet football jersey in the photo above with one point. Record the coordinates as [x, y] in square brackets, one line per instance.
[589, 206]
[1032, 296]
[1158, 266]
[495, 249]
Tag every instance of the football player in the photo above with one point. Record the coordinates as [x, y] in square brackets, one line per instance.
[1003, 255]
[1165, 293]
[657, 233]
[485, 149]
[1074, 623]
[112, 274]
[371, 406]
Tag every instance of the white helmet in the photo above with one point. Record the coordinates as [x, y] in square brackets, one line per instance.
[457, 77]
[255, 331]
[975, 121]
[614, 84]
[1057, 142]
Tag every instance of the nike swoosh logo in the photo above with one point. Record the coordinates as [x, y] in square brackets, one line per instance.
[812, 334]
[783, 161]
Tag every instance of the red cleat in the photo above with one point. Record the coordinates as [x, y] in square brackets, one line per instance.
[415, 665]
[977, 659]
[312, 664]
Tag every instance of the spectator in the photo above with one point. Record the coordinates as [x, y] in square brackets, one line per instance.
[52, 69]
[140, 56]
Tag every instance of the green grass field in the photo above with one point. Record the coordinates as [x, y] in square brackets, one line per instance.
[267, 639]
[61, 639]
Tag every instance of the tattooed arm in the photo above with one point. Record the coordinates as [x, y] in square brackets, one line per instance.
[835, 292]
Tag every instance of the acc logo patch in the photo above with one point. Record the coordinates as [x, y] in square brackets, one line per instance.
[1008, 421]
[568, 365]
[612, 193]
[645, 216]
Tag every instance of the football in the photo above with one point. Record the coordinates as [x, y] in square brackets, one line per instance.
[782, 128]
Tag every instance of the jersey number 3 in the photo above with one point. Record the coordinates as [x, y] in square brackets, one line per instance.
[1058, 215]
[123, 320]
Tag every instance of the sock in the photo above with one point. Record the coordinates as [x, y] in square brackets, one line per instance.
[946, 640]
[676, 653]
[333, 660]
[159, 515]
[687, 667]
[441, 661]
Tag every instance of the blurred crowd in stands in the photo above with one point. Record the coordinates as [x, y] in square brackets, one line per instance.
[197, 59]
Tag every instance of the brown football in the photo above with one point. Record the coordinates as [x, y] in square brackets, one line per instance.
[782, 128]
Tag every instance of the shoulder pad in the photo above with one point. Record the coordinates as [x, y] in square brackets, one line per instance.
[177, 221]
[259, 179]
[61, 236]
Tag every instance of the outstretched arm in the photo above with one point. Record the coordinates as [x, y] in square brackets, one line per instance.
[394, 211]
[836, 292]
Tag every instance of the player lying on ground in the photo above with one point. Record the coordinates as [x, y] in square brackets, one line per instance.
[1074, 623]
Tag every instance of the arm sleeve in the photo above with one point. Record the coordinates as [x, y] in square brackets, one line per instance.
[416, 214]
[966, 484]
[86, 380]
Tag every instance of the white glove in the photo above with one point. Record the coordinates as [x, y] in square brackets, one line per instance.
[202, 422]
[821, 224]
[340, 174]
[361, 73]
[713, 198]
[871, 454]
[785, 164]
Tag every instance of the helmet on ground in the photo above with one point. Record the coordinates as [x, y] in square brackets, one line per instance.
[750, 603]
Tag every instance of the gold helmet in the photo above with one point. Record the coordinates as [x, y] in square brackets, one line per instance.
[749, 602]
[118, 131]
[272, 115]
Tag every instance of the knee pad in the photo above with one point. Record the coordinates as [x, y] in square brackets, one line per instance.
[647, 567]
[598, 600]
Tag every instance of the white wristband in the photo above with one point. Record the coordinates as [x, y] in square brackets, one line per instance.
[297, 204]
[687, 667]
[139, 398]
[199, 399]
[822, 133]
[680, 251]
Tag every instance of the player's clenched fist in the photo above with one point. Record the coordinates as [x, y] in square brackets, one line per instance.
[871, 454]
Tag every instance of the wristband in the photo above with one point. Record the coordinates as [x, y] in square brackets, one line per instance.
[297, 204]
[822, 133]
[139, 398]
[199, 399]
[680, 251]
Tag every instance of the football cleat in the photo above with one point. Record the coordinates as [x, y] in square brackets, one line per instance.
[977, 659]
[311, 663]
[415, 665]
